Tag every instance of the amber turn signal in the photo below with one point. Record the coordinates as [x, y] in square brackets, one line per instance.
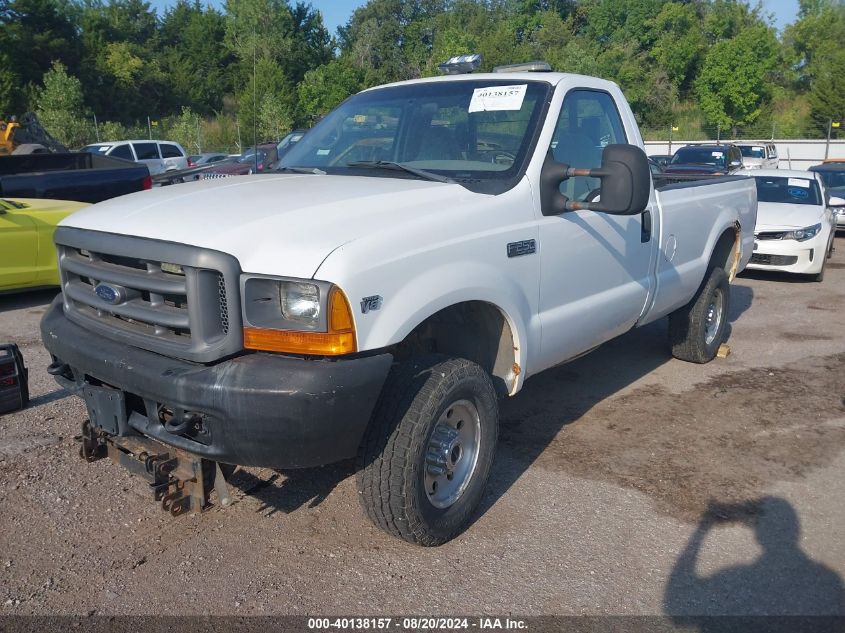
[339, 340]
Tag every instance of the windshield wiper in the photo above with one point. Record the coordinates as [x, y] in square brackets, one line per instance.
[389, 164]
[302, 170]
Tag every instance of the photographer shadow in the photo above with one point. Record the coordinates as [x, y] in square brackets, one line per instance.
[794, 591]
[288, 490]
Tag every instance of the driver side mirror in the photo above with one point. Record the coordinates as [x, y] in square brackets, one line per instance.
[836, 201]
[625, 183]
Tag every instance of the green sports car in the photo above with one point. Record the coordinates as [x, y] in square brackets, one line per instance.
[27, 253]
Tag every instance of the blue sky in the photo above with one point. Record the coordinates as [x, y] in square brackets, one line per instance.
[337, 12]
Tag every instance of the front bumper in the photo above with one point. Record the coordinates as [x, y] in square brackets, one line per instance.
[790, 256]
[254, 410]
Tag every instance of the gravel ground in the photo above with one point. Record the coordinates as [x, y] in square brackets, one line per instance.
[598, 503]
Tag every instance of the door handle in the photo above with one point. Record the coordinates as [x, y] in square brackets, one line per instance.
[645, 230]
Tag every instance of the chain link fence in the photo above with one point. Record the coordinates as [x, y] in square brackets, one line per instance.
[755, 132]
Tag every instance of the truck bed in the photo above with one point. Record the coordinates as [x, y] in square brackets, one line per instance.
[692, 209]
[70, 176]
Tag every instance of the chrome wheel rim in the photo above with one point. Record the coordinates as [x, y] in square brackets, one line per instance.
[713, 317]
[452, 453]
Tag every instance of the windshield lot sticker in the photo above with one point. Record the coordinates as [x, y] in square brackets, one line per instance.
[799, 182]
[497, 98]
[716, 154]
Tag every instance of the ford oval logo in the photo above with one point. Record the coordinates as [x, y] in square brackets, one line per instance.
[110, 293]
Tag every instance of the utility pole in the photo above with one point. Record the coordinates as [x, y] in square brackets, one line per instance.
[718, 133]
[149, 128]
[254, 103]
[830, 125]
[670, 138]
[96, 128]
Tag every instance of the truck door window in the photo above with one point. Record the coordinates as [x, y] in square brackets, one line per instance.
[146, 151]
[588, 122]
[170, 151]
[122, 151]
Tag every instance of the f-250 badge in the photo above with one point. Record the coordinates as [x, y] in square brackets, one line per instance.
[370, 303]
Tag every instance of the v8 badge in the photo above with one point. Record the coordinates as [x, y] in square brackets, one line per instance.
[371, 303]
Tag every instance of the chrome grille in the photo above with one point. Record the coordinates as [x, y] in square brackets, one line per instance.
[168, 298]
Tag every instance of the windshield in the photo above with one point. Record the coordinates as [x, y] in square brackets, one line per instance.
[752, 151]
[462, 129]
[787, 190]
[699, 156]
[291, 139]
[834, 181]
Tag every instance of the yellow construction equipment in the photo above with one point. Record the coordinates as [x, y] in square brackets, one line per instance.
[26, 137]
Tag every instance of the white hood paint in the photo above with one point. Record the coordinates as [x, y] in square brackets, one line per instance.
[776, 215]
[273, 224]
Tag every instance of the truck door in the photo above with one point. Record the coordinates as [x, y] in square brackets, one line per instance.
[594, 267]
[18, 247]
[172, 157]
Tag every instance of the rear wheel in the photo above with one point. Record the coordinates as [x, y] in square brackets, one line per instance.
[698, 329]
[427, 453]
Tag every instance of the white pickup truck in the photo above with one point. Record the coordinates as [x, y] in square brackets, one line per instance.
[422, 251]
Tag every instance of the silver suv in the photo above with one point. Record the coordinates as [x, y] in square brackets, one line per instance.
[763, 155]
[158, 156]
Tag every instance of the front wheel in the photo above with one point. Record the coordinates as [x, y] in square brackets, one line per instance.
[427, 453]
[819, 276]
[698, 329]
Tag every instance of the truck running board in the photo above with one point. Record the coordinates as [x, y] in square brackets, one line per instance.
[180, 480]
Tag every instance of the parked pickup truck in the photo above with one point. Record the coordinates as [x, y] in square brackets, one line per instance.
[424, 249]
[70, 176]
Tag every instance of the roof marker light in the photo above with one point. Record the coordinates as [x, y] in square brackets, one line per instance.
[460, 65]
[527, 67]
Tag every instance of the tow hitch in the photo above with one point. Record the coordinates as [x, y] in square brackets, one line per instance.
[180, 480]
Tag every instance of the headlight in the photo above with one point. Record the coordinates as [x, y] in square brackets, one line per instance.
[300, 302]
[804, 234]
[296, 316]
[284, 304]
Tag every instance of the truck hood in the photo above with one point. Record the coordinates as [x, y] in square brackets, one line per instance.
[787, 216]
[273, 224]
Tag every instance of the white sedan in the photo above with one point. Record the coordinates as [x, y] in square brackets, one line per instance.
[795, 222]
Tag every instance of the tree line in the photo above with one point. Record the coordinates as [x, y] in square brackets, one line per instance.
[693, 64]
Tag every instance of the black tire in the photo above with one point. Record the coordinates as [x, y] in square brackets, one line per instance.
[392, 460]
[819, 276]
[688, 325]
